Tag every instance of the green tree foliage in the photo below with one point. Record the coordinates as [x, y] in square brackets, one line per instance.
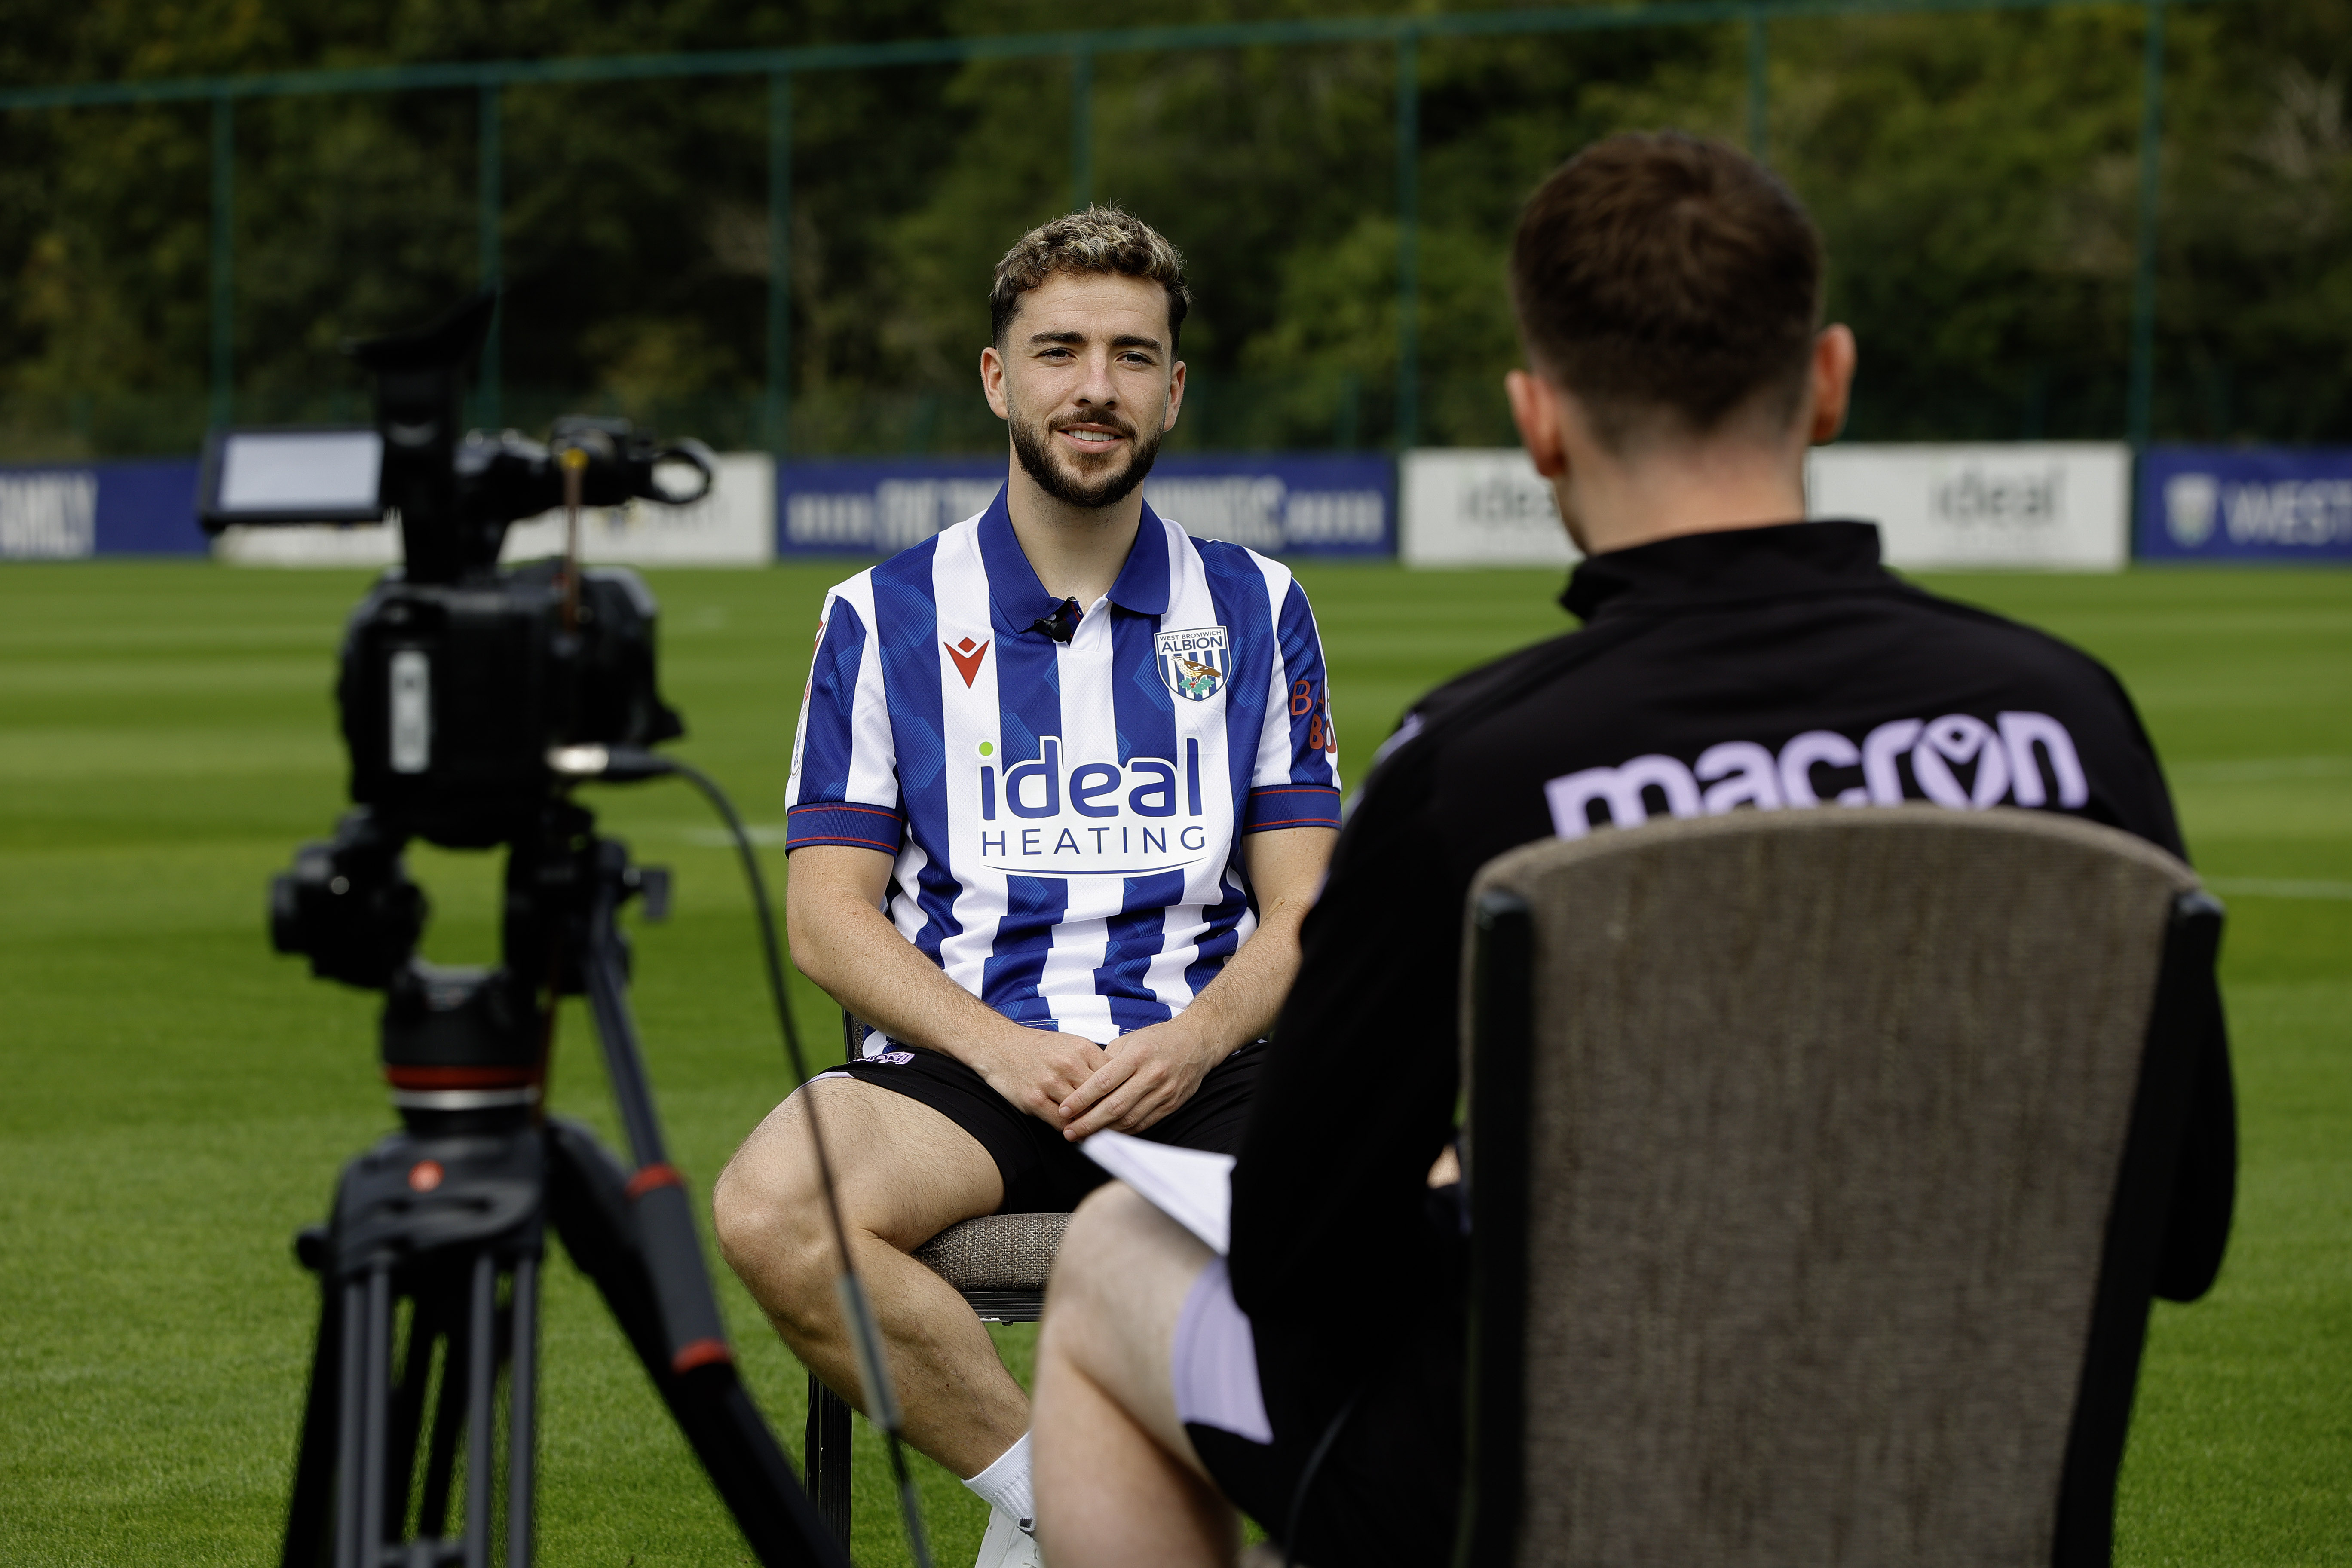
[1978, 178]
[1975, 174]
[1990, 288]
[2256, 306]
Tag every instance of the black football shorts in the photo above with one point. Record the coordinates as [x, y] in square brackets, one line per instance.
[1045, 1172]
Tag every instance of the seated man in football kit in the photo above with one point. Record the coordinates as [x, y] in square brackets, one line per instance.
[1064, 783]
[1667, 293]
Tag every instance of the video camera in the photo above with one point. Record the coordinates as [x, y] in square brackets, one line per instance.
[459, 679]
[473, 697]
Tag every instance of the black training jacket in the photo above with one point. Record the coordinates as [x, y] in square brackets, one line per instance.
[1778, 665]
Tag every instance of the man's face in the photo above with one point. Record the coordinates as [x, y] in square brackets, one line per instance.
[1088, 383]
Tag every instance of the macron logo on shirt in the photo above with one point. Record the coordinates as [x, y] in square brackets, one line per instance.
[967, 656]
[1958, 760]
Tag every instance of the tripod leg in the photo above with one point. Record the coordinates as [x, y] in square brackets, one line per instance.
[439, 1245]
[826, 1464]
[480, 1366]
[352, 1409]
[374, 1374]
[522, 1407]
[429, 1325]
[448, 1422]
[307, 1515]
[588, 1203]
[351, 1375]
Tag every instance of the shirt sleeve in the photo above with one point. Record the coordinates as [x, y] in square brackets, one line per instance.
[845, 783]
[1297, 780]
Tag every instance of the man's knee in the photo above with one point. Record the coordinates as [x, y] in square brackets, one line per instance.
[1118, 1284]
[768, 1208]
[1117, 1289]
[902, 1172]
[1098, 1248]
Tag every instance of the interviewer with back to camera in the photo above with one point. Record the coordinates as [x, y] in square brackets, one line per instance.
[1732, 657]
[1064, 783]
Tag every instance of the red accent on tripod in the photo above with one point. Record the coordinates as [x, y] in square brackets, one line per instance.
[701, 1352]
[415, 1078]
[652, 1176]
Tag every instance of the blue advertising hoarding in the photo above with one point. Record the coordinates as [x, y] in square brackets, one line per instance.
[2214, 503]
[63, 511]
[1280, 504]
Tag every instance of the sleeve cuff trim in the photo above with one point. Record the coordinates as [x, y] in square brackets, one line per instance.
[844, 822]
[1291, 805]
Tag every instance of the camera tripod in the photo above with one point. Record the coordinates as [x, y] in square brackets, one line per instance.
[450, 1215]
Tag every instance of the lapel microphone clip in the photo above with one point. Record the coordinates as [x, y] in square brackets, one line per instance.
[1062, 624]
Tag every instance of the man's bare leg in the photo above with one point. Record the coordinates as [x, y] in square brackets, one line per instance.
[904, 1174]
[1118, 1482]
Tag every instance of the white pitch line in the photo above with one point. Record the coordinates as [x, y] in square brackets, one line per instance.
[767, 835]
[2269, 888]
[2260, 769]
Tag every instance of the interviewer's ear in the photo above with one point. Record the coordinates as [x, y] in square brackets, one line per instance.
[1831, 383]
[1536, 409]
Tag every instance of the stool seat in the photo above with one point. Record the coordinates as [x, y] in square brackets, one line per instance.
[999, 1262]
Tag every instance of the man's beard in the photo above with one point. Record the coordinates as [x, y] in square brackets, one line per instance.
[1032, 444]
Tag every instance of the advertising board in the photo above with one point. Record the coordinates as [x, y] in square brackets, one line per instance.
[1277, 503]
[65, 511]
[2052, 505]
[1480, 506]
[2198, 503]
[734, 525]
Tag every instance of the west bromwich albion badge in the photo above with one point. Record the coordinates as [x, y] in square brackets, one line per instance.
[1192, 664]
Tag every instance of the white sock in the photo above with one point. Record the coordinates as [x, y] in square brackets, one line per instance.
[1006, 1484]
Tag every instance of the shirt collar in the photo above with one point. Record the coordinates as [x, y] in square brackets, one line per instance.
[1141, 587]
[1729, 566]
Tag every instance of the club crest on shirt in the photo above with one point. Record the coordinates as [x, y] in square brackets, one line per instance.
[1192, 664]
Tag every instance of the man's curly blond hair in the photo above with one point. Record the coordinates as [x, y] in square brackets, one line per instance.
[1099, 240]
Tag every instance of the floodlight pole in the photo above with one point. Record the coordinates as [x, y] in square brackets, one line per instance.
[223, 409]
[2140, 414]
[1082, 130]
[490, 198]
[1408, 206]
[778, 412]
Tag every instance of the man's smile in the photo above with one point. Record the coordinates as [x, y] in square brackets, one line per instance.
[1091, 438]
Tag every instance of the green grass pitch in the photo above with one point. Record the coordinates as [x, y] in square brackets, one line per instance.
[177, 1099]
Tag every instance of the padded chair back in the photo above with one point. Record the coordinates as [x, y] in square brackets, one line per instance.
[1795, 1151]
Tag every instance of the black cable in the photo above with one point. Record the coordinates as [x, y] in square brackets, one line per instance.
[619, 765]
[1306, 1480]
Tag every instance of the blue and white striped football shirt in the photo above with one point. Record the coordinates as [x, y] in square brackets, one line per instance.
[1066, 817]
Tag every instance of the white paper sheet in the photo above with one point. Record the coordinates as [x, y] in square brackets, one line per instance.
[1191, 1186]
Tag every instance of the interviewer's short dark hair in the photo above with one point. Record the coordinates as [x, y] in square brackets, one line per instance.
[1667, 281]
[1099, 239]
